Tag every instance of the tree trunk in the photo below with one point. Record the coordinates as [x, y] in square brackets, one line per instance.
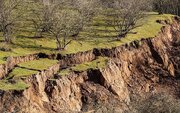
[58, 43]
[64, 42]
[7, 38]
[38, 34]
[75, 36]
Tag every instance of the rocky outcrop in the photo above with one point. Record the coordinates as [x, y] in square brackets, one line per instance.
[49, 92]
[140, 68]
[114, 82]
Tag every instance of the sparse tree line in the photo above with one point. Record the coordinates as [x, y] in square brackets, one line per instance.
[63, 19]
[60, 18]
[125, 14]
[167, 6]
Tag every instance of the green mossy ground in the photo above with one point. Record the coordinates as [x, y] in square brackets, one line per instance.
[15, 85]
[40, 64]
[21, 72]
[95, 64]
[33, 67]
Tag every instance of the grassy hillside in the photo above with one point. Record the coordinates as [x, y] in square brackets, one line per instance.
[93, 36]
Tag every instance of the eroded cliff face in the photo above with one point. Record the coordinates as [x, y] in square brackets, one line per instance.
[140, 68]
[64, 61]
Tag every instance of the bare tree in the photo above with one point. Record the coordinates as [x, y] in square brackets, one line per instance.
[124, 15]
[63, 19]
[87, 9]
[70, 19]
[9, 16]
[42, 17]
[64, 24]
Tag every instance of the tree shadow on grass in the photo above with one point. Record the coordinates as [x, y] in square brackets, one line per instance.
[37, 47]
[31, 45]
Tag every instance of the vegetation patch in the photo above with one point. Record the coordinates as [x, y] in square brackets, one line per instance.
[40, 64]
[32, 67]
[65, 72]
[103, 36]
[21, 72]
[6, 85]
[96, 64]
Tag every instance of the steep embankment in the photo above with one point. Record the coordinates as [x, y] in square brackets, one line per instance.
[138, 69]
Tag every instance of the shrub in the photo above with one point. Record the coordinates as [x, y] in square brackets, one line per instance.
[158, 103]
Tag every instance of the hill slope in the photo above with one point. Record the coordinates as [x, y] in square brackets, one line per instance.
[126, 73]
